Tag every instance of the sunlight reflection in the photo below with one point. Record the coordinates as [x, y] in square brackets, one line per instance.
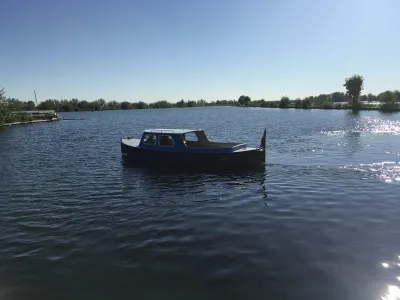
[393, 293]
[374, 125]
[388, 172]
[385, 265]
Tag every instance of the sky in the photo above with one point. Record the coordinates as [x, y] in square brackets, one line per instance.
[150, 50]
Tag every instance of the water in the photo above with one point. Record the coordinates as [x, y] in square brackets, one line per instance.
[321, 222]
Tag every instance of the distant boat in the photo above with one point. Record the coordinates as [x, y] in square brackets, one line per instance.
[188, 148]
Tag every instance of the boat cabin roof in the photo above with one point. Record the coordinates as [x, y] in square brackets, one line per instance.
[171, 131]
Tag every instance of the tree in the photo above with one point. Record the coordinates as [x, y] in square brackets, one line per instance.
[201, 102]
[65, 105]
[113, 105]
[284, 102]
[372, 98]
[3, 100]
[126, 105]
[244, 100]
[30, 105]
[363, 98]
[46, 105]
[388, 99]
[142, 105]
[181, 103]
[306, 103]
[354, 85]
[338, 97]
[397, 93]
[323, 98]
[3, 107]
[74, 103]
[100, 103]
[84, 105]
[191, 103]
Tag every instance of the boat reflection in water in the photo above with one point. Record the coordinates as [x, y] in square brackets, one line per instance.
[196, 185]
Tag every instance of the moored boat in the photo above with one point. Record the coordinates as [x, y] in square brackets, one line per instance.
[189, 148]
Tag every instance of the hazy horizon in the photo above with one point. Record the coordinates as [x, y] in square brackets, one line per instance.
[212, 50]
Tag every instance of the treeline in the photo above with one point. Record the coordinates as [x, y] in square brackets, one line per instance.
[333, 100]
[6, 116]
[351, 99]
[386, 100]
[100, 104]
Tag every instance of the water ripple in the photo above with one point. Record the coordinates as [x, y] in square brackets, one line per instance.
[75, 223]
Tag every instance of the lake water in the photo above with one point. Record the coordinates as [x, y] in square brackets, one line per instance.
[321, 222]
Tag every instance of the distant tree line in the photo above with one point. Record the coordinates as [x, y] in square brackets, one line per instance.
[389, 100]
[100, 104]
[351, 99]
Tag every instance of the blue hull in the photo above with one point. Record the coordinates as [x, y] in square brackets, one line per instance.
[135, 156]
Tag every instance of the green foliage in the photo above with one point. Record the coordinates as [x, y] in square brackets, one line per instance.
[244, 100]
[297, 103]
[354, 85]
[339, 97]
[397, 93]
[284, 102]
[181, 103]
[141, 105]
[322, 98]
[387, 97]
[126, 105]
[160, 104]
[327, 105]
[338, 100]
[388, 100]
[306, 103]
[3, 107]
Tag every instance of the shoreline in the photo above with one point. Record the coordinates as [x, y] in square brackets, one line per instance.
[338, 108]
[249, 106]
[30, 122]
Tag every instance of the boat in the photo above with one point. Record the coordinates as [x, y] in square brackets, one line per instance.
[188, 148]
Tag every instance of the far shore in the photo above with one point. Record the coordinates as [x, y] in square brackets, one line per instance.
[333, 107]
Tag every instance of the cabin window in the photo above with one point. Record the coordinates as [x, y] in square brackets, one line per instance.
[150, 139]
[190, 137]
[166, 141]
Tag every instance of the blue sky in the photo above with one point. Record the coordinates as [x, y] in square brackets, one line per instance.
[189, 49]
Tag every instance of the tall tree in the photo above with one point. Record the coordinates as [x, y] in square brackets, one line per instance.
[354, 85]
[284, 102]
[244, 100]
[3, 107]
[101, 103]
[181, 103]
[2, 97]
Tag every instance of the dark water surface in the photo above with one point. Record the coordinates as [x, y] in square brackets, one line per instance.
[321, 222]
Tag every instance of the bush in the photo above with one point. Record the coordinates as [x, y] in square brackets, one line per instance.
[26, 118]
[327, 105]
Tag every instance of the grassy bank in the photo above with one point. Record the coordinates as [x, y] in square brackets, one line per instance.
[17, 119]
